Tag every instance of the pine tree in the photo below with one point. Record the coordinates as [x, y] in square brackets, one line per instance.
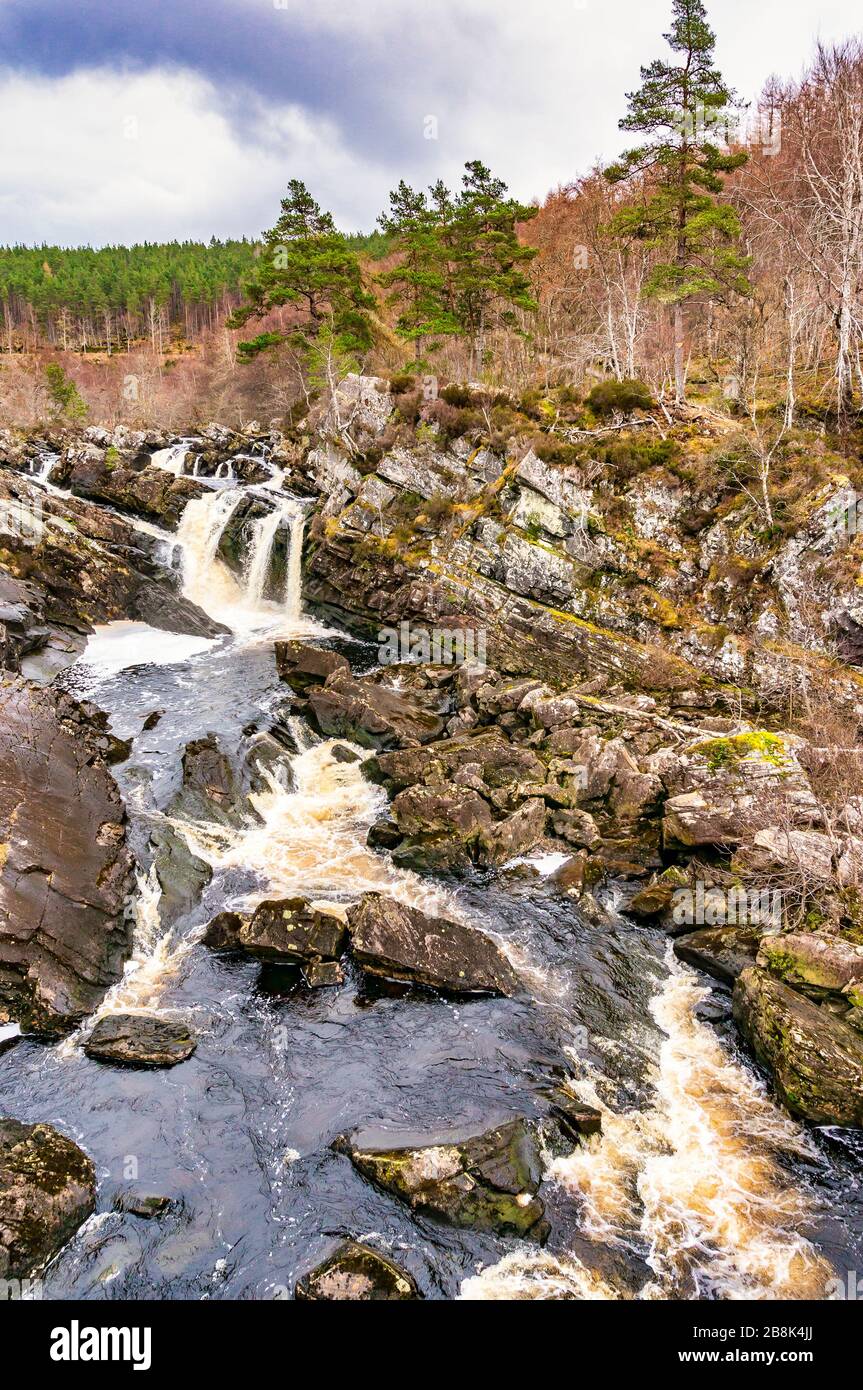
[461, 269]
[685, 108]
[419, 282]
[306, 261]
[63, 394]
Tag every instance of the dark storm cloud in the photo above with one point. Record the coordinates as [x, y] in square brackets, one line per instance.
[375, 85]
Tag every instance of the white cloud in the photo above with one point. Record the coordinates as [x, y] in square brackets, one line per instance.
[106, 157]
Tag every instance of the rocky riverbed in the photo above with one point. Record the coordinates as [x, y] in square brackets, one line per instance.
[416, 881]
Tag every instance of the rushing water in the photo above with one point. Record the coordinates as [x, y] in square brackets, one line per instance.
[698, 1187]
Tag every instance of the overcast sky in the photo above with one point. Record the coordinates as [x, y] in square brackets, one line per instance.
[131, 120]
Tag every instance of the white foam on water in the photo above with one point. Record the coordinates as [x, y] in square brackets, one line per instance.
[697, 1175]
[114, 647]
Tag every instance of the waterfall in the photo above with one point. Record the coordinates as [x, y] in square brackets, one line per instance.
[41, 466]
[172, 459]
[288, 513]
[241, 603]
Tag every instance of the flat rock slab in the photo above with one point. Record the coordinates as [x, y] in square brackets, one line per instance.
[398, 942]
[488, 1182]
[356, 1273]
[47, 1189]
[140, 1040]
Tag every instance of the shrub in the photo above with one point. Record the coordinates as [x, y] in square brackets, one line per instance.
[401, 384]
[459, 396]
[626, 395]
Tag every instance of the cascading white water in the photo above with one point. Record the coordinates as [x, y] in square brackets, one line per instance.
[311, 839]
[209, 583]
[697, 1177]
[172, 459]
[41, 466]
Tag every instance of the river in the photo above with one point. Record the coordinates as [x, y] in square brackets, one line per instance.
[698, 1187]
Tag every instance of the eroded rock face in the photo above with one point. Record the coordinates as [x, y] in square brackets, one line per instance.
[815, 1058]
[402, 943]
[140, 1040]
[47, 1189]
[356, 1273]
[488, 1183]
[65, 869]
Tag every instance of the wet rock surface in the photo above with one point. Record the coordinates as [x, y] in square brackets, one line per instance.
[139, 1040]
[47, 1189]
[402, 943]
[488, 1182]
[356, 1273]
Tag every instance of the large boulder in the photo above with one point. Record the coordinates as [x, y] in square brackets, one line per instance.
[140, 1040]
[301, 665]
[443, 828]
[65, 868]
[47, 1189]
[291, 929]
[398, 942]
[810, 961]
[371, 714]
[722, 952]
[356, 1273]
[815, 1058]
[735, 787]
[488, 1183]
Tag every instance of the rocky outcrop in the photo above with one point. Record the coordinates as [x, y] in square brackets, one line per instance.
[488, 1183]
[72, 566]
[737, 786]
[815, 1058]
[401, 943]
[722, 952]
[47, 1189]
[356, 1273]
[92, 473]
[65, 869]
[139, 1040]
